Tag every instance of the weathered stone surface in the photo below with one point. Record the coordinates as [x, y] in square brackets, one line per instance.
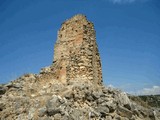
[124, 112]
[76, 53]
[53, 105]
[102, 110]
[42, 111]
[2, 90]
[57, 116]
[2, 106]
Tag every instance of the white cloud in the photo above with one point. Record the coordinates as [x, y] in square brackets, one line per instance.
[149, 91]
[126, 1]
[111, 86]
[154, 90]
[122, 1]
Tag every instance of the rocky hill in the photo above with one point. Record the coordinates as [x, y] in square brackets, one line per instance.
[71, 88]
[148, 100]
[152, 100]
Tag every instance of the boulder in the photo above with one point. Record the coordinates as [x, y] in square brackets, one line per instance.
[124, 112]
[42, 111]
[53, 106]
[2, 90]
[103, 110]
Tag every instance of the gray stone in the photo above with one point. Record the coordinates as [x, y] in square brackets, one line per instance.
[65, 117]
[53, 111]
[2, 106]
[57, 116]
[143, 113]
[76, 114]
[151, 114]
[128, 106]
[53, 106]
[123, 98]
[2, 90]
[93, 114]
[103, 110]
[108, 118]
[42, 111]
[124, 112]
[68, 94]
[101, 100]
[117, 117]
[89, 97]
[96, 95]
[112, 106]
[135, 112]
[14, 85]
[31, 113]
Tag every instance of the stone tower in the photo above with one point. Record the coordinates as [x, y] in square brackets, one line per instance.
[76, 56]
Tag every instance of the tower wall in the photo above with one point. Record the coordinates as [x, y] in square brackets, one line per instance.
[76, 55]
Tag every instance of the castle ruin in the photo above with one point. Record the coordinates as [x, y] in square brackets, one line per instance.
[76, 55]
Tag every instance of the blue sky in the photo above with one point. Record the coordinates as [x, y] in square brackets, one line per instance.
[127, 31]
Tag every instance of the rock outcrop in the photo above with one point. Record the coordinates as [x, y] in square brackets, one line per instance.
[29, 99]
[71, 88]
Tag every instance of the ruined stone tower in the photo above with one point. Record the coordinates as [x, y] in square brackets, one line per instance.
[76, 56]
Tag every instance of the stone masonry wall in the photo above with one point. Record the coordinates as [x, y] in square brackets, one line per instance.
[76, 54]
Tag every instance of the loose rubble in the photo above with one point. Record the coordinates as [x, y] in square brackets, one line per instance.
[26, 99]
